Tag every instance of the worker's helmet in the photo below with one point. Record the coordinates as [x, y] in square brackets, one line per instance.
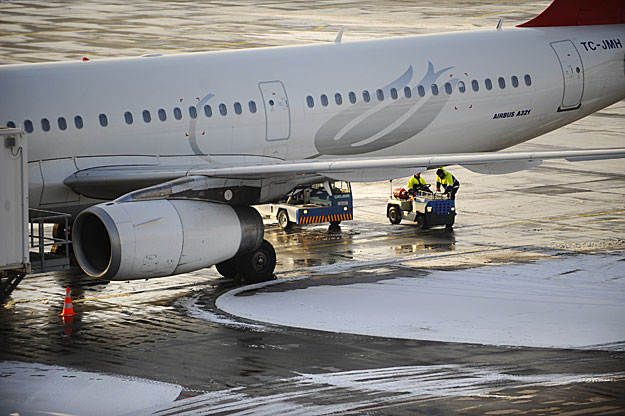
[440, 173]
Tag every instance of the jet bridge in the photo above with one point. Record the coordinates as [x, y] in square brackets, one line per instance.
[17, 235]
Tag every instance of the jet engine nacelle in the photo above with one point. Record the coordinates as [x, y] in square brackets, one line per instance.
[144, 239]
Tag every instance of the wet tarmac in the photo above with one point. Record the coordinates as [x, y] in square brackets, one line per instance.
[151, 329]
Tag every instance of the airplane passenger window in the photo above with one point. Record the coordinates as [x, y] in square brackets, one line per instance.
[223, 110]
[28, 126]
[208, 111]
[147, 117]
[237, 108]
[515, 81]
[252, 105]
[528, 80]
[352, 97]
[192, 111]
[434, 89]
[11, 124]
[178, 113]
[78, 122]
[407, 92]
[448, 88]
[365, 96]
[502, 83]
[421, 90]
[324, 100]
[393, 93]
[62, 123]
[380, 94]
[162, 114]
[128, 117]
[461, 86]
[103, 120]
[310, 101]
[488, 83]
[338, 99]
[45, 124]
[475, 85]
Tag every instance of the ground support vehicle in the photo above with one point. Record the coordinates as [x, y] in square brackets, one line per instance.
[425, 208]
[311, 204]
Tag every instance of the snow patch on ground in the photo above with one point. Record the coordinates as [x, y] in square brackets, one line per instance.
[567, 302]
[194, 309]
[370, 389]
[36, 389]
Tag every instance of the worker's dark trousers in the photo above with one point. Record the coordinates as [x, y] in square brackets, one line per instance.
[452, 189]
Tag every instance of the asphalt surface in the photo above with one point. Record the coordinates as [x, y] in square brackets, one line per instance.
[145, 329]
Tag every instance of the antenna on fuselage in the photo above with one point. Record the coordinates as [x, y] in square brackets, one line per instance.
[339, 37]
[499, 25]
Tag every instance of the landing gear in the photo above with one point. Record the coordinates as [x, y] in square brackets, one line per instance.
[254, 267]
[59, 233]
[257, 266]
[226, 268]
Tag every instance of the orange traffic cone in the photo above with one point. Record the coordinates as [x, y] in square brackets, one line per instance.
[68, 309]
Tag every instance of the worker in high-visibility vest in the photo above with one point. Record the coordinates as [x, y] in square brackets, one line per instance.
[416, 183]
[450, 184]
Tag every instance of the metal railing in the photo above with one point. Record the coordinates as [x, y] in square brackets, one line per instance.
[52, 246]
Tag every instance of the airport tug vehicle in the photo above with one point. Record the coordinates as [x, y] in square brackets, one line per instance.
[312, 204]
[425, 208]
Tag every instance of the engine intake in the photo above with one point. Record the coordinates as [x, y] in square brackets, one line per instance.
[144, 239]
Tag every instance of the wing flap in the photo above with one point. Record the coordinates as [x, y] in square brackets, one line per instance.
[500, 168]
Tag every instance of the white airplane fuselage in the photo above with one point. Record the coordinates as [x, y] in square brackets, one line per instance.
[571, 72]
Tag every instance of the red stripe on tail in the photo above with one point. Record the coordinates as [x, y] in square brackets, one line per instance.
[580, 13]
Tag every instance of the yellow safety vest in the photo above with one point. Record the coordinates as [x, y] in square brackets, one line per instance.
[447, 180]
[416, 181]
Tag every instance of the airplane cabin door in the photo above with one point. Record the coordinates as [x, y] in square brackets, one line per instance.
[572, 72]
[277, 112]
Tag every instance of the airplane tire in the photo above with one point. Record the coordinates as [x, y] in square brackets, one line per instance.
[394, 215]
[283, 219]
[226, 268]
[258, 265]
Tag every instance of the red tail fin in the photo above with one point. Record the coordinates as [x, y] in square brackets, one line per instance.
[580, 13]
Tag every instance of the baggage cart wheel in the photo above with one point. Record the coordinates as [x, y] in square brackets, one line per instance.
[421, 222]
[394, 214]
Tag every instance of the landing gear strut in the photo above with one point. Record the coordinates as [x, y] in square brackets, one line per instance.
[253, 267]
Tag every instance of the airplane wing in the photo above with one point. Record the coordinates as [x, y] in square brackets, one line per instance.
[111, 182]
[368, 169]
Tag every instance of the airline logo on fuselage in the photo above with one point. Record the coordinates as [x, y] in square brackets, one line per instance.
[367, 127]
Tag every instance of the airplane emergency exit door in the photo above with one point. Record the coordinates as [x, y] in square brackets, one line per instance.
[572, 72]
[277, 113]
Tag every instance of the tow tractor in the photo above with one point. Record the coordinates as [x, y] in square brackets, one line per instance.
[311, 204]
[427, 209]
